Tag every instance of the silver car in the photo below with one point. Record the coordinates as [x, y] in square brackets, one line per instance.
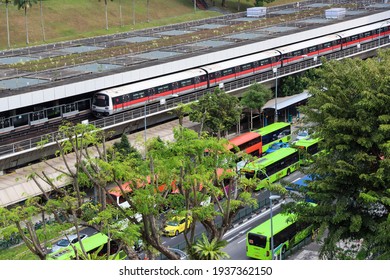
[65, 242]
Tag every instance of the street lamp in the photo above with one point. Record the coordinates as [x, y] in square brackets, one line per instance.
[275, 71]
[271, 198]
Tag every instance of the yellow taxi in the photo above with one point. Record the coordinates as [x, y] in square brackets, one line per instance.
[176, 225]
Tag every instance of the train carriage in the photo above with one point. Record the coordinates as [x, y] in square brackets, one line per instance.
[364, 34]
[114, 100]
[241, 67]
[310, 49]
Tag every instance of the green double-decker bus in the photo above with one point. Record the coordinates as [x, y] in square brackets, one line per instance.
[273, 166]
[97, 243]
[276, 132]
[307, 149]
[287, 232]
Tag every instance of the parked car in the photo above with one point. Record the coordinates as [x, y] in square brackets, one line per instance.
[284, 133]
[277, 146]
[176, 225]
[65, 242]
[303, 134]
[182, 255]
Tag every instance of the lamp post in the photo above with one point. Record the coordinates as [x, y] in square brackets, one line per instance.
[271, 198]
[275, 70]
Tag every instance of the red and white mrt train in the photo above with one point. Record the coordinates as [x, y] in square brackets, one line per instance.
[118, 99]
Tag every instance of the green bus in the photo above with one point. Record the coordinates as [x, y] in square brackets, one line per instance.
[287, 232]
[272, 167]
[91, 244]
[307, 149]
[276, 132]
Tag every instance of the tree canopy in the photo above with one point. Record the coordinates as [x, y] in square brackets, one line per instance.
[349, 109]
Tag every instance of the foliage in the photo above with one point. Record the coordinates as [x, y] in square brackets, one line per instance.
[218, 111]
[350, 112]
[206, 250]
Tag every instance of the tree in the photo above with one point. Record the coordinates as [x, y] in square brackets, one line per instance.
[106, 11]
[293, 84]
[349, 110]
[181, 111]
[42, 20]
[7, 21]
[218, 111]
[205, 250]
[255, 98]
[260, 3]
[25, 5]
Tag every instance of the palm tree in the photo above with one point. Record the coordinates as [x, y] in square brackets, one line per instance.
[105, 4]
[206, 250]
[25, 4]
[42, 21]
[6, 15]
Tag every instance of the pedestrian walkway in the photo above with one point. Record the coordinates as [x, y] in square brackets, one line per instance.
[308, 252]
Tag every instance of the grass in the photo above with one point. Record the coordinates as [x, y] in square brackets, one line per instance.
[65, 20]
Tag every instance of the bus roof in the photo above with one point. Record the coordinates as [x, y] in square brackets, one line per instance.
[306, 142]
[89, 243]
[272, 127]
[270, 158]
[238, 140]
[279, 222]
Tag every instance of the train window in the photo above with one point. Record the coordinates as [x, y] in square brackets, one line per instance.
[264, 62]
[247, 66]
[297, 53]
[203, 78]
[100, 100]
[163, 88]
[326, 45]
[255, 64]
[367, 34]
[137, 95]
[197, 80]
[227, 72]
[354, 37]
[312, 49]
[218, 74]
[117, 100]
[185, 83]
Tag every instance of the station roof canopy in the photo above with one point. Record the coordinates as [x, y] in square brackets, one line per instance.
[284, 102]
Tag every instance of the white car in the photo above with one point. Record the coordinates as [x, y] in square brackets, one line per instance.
[304, 134]
[65, 242]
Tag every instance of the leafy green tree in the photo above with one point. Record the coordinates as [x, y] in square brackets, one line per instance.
[25, 5]
[255, 98]
[293, 84]
[218, 111]
[181, 111]
[206, 250]
[124, 148]
[349, 110]
[260, 3]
